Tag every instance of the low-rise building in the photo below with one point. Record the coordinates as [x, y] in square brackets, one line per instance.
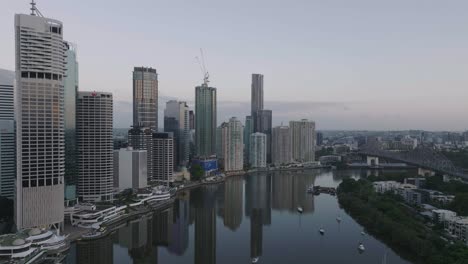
[418, 182]
[386, 186]
[458, 228]
[441, 215]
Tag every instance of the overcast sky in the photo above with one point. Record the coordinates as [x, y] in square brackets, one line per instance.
[360, 64]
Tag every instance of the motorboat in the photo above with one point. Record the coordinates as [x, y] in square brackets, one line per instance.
[363, 233]
[338, 219]
[310, 189]
[361, 247]
[255, 260]
[322, 231]
[299, 209]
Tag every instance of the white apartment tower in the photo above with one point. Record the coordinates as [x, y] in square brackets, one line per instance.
[7, 135]
[281, 145]
[258, 150]
[232, 145]
[39, 102]
[95, 146]
[302, 140]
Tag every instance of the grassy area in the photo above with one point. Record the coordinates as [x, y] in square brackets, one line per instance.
[386, 218]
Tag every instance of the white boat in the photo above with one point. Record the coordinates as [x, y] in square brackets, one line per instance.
[363, 233]
[361, 247]
[255, 260]
[338, 219]
[299, 209]
[322, 231]
[310, 189]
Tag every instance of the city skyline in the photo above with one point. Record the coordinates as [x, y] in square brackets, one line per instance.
[370, 81]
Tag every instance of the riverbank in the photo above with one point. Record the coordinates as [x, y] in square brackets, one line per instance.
[386, 218]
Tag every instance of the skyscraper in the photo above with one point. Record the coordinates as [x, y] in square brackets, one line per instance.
[281, 145]
[70, 92]
[302, 140]
[232, 145]
[7, 135]
[256, 96]
[142, 139]
[258, 150]
[145, 98]
[95, 145]
[191, 120]
[176, 120]
[40, 69]
[163, 157]
[248, 130]
[319, 139]
[264, 125]
[205, 120]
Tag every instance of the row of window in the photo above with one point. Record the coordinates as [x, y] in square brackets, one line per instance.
[40, 182]
[41, 75]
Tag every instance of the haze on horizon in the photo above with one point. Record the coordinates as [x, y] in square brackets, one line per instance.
[359, 64]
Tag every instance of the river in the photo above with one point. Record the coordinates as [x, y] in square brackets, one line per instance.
[247, 217]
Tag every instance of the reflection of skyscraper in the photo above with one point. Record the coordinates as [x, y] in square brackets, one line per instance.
[161, 230]
[136, 237]
[258, 195]
[233, 195]
[291, 191]
[99, 251]
[256, 233]
[179, 226]
[205, 224]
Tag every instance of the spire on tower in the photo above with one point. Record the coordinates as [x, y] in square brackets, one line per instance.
[34, 10]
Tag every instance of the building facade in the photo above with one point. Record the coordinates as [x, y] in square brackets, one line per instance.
[40, 156]
[232, 145]
[95, 146]
[248, 130]
[264, 125]
[258, 150]
[163, 157]
[256, 98]
[130, 169]
[7, 135]
[302, 140]
[145, 97]
[205, 120]
[281, 145]
[70, 92]
[176, 120]
[142, 139]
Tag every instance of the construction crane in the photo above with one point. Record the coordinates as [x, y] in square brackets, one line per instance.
[202, 65]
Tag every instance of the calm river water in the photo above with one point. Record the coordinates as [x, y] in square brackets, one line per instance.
[244, 218]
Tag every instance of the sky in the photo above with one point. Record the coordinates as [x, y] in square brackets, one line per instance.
[361, 64]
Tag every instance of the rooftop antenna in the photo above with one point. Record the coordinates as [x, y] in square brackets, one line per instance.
[34, 10]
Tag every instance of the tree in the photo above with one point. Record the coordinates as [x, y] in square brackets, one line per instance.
[196, 172]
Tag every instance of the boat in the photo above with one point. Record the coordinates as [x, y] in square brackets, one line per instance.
[255, 260]
[310, 189]
[338, 219]
[101, 232]
[322, 231]
[299, 209]
[363, 233]
[361, 247]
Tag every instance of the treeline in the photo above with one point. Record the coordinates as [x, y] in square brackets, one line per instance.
[459, 158]
[386, 218]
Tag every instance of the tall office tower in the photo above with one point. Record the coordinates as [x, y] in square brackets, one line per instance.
[145, 97]
[256, 97]
[163, 157]
[191, 120]
[7, 135]
[248, 130]
[71, 151]
[319, 139]
[142, 139]
[232, 145]
[40, 139]
[302, 140]
[258, 150]
[205, 120]
[281, 145]
[95, 146]
[219, 142]
[176, 120]
[264, 123]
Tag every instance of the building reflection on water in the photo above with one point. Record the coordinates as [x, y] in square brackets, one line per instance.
[252, 197]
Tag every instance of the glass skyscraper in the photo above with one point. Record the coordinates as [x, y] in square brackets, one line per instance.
[205, 120]
[145, 98]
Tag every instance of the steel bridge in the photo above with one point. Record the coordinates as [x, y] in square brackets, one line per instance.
[422, 156]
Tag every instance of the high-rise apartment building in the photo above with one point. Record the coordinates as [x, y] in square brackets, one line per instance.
[7, 135]
[145, 97]
[70, 91]
[163, 157]
[319, 139]
[191, 120]
[95, 146]
[258, 150]
[281, 145]
[264, 125]
[205, 120]
[176, 120]
[232, 145]
[142, 139]
[248, 130]
[130, 169]
[256, 96]
[302, 140]
[40, 69]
